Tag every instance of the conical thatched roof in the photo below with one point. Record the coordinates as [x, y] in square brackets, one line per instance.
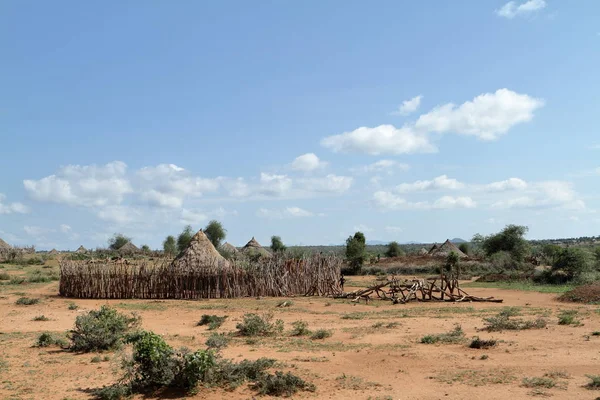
[4, 245]
[128, 248]
[200, 253]
[253, 248]
[423, 251]
[229, 248]
[446, 248]
[53, 252]
[433, 249]
[81, 250]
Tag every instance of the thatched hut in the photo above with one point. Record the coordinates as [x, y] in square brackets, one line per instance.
[200, 253]
[446, 248]
[423, 251]
[53, 252]
[229, 248]
[4, 245]
[254, 249]
[433, 249]
[81, 250]
[128, 249]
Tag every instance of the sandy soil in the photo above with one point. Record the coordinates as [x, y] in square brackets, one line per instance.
[377, 362]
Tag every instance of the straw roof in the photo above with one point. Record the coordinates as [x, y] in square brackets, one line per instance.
[423, 251]
[53, 251]
[81, 249]
[229, 248]
[200, 253]
[129, 248]
[4, 245]
[432, 249]
[253, 248]
[446, 248]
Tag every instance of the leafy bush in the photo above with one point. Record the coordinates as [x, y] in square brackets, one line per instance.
[568, 317]
[117, 391]
[454, 336]
[228, 373]
[536, 382]
[73, 306]
[299, 328]
[282, 384]
[213, 321]
[510, 239]
[320, 334]
[152, 363]
[572, 261]
[103, 329]
[255, 325]
[503, 322]
[96, 359]
[394, 250]
[41, 318]
[4, 276]
[477, 343]
[26, 301]
[217, 341]
[16, 280]
[47, 339]
[594, 383]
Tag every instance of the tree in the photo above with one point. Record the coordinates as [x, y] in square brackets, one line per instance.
[394, 250]
[145, 248]
[184, 238]
[355, 251]
[510, 239]
[572, 261]
[277, 245]
[170, 246]
[215, 233]
[550, 252]
[117, 241]
[464, 247]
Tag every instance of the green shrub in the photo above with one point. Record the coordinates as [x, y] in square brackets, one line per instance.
[299, 328]
[26, 301]
[103, 329]
[213, 321]
[281, 384]
[477, 343]
[41, 318]
[47, 339]
[454, 336]
[255, 325]
[228, 373]
[568, 317]
[113, 392]
[594, 383]
[73, 306]
[320, 334]
[503, 322]
[217, 341]
[16, 280]
[544, 382]
[196, 368]
[152, 364]
[4, 276]
[96, 359]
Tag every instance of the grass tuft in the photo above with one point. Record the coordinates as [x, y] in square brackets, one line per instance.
[454, 336]
[26, 301]
[213, 321]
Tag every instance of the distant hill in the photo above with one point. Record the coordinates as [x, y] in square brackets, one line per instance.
[458, 240]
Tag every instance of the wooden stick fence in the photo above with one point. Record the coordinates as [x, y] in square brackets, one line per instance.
[316, 275]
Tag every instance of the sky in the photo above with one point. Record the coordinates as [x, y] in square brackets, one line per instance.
[408, 121]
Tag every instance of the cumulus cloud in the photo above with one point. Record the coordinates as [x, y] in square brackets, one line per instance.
[446, 202]
[438, 183]
[36, 231]
[274, 185]
[514, 9]
[307, 162]
[409, 106]
[508, 184]
[546, 194]
[192, 217]
[487, 116]
[10, 208]
[387, 166]
[287, 212]
[383, 139]
[64, 228]
[118, 214]
[390, 201]
[329, 184]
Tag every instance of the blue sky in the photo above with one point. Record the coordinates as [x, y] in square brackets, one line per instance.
[309, 120]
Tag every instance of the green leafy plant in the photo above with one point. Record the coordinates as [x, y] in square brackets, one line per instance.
[47, 339]
[41, 318]
[299, 328]
[255, 325]
[503, 322]
[568, 317]
[213, 321]
[477, 343]
[217, 341]
[281, 384]
[26, 301]
[454, 336]
[320, 334]
[594, 383]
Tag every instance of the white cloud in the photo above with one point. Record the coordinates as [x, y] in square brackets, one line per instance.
[274, 185]
[331, 184]
[513, 9]
[192, 217]
[362, 228]
[64, 228]
[438, 183]
[10, 208]
[118, 214]
[287, 212]
[509, 184]
[454, 202]
[36, 231]
[307, 162]
[487, 117]
[390, 201]
[546, 194]
[393, 229]
[409, 106]
[383, 139]
[388, 166]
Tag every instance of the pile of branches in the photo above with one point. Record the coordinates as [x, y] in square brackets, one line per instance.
[441, 288]
[279, 276]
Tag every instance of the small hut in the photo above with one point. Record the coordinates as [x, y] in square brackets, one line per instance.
[4, 245]
[433, 249]
[228, 247]
[128, 249]
[53, 252]
[81, 250]
[200, 253]
[446, 248]
[254, 249]
[423, 251]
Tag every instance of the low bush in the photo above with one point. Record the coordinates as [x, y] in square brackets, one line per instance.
[503, 322]
[4, 276]
[47, 339]
[454, 336]
[103, 329]
[213, 321]
[583, 294]
[477, 343]
[231, 375]
[16, 280]
[255, 325]
[299, 328]
[568, 317]
[217, 341]
[543, 382]
[117, 391]
[41, 318]
[281, 384]
[594, 383]
[96, 359]
[73, 306]
[320, 334]
[26, 301]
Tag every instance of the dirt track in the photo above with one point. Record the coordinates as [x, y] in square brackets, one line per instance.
[378, 362]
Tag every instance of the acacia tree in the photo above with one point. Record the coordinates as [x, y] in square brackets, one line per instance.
[215, 232]
[170, 245]
[393, 250]
[117, 241]
[511, 239]
[277, 244]
[184, 238]
[355, 251]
